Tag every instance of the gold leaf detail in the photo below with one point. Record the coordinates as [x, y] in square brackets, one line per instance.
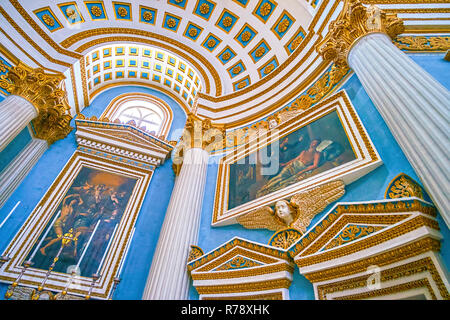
[282, 27]
[147, 15]
[265, 9]
[211, 43]
[122, 11]
[269, 69]
[171, 23]
[226, 56]
[96, 11]
[246, 36]
[259, 52]
[236, 70]
[193, 32]
[204, 8]
[227, 21]
[71, 13]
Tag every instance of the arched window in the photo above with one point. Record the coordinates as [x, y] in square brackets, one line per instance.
[147, 112]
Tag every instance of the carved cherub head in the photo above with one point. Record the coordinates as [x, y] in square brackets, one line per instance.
[284, 211]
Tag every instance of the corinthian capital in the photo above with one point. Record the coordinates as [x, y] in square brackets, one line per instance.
[45, 92]
[200, 133]
[354, 22]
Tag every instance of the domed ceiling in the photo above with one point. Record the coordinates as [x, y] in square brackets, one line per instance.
[240, 49]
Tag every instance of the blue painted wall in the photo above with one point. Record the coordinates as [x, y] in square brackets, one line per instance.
[151, 216]
[370, 187]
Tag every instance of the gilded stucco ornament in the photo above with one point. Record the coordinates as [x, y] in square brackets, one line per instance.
[285, 238]
[46, 94]
[48, 20]
[196, 252]
[296, 213]
[96, 11]
[197, 133]
[354, 22]
[403, 186]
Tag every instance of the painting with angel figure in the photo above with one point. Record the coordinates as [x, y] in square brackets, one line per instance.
[317, 147]
[79, 231]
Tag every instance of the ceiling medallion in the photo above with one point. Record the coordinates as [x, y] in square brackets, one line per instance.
[227, 22]
[193, 32]
[236, 70]
[211, 43]
[147, 15]
[241, 84]
[226, 56]
[48, 20]
[246, 36]
[204, 8]
[96, 11]
[71, 14]
[282, 27]
[122, 11]
[260, 52]
[265, 9]
[269, 68]
[171, 23]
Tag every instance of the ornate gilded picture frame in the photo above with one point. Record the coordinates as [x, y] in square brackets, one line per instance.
[324, 143]
[81, 227]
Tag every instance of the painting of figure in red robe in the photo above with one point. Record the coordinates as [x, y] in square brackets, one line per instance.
[317, 147]
[82, 226]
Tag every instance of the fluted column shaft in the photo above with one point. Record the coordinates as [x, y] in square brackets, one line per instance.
[15, 114]
[414, 106]
[17, 170]
[168, 278]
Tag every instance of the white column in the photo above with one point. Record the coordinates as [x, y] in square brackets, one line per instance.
[415, 107]
[15, 114]
[17, 170]
[168, 278]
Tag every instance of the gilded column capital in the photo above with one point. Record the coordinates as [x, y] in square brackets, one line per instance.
[354, 22]
[197, 133]
[201, 133]
[46, 93]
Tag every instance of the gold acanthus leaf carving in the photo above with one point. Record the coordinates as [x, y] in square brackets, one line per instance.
[404, 187]
[296, 213]
[354, 22]
[44, 91]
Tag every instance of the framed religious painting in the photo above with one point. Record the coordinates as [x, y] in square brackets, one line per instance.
[81, 227]
[324, 143]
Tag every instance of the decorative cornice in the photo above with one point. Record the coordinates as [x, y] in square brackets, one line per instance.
[45, 92]
[354, 22]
